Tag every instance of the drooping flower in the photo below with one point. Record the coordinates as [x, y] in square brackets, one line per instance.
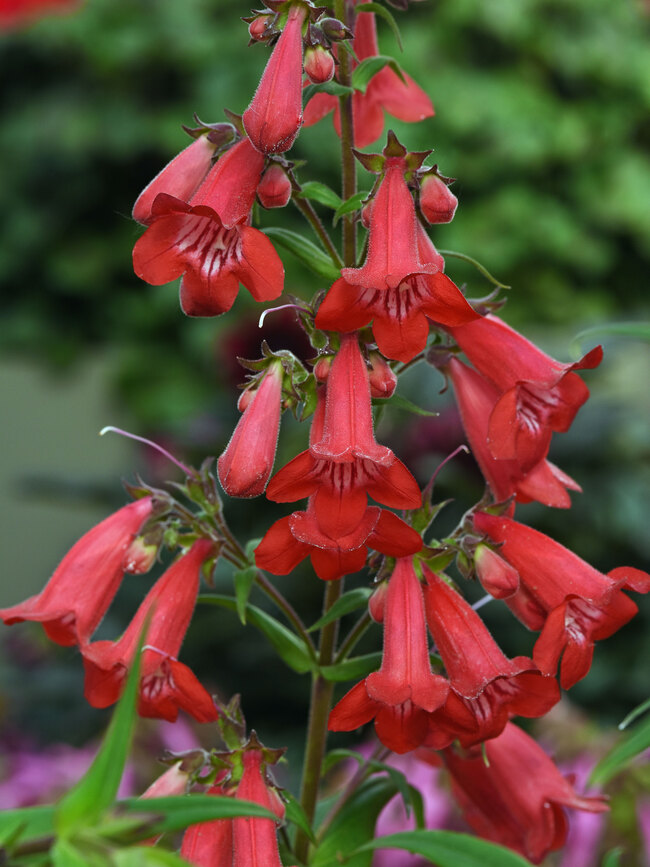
[274, 117]
[394, 288]
[83, 585]
[247, 462]
[180, 178]
[404, 692]
[537, 395]
[573, 604]
[385, 91]
[476, 399]
[487, 688]
[166, 684]
[345, 464]
[297, 536]
[210, 844]
[209, 241]
[516, 797]
[255, 841]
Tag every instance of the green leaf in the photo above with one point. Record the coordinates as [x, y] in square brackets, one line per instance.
[399, 402]
[353, 826]
[96, 790]
[290, 647]
[147, 856]
[633, 714]
[244, 580]
[368, 68]
[350, 601]
[67, 854]
[311, 255]
[297, 815]
[351, 204]
[613, 857]
[630, 745]
[633, 330]
[320, 193]
[449, 849]
[176, 812]
[354, 668]
[34, 822]
[331, 87]
[380, 10]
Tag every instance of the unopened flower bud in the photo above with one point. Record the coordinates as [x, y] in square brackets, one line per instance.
[319, 65]
[322, 367]
[437, 201]
[257, 27]
[383, 381]
[377, 602]
[274, 190]
[172, 782]
[497, 577]
[334, 29]
[246, 465]
[140, 556]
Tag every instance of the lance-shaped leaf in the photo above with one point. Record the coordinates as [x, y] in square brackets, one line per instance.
[354, 668]
[350, 601]
[631, 745]
[311, 255]
[318, 192]
[448, 849]
[369, 67]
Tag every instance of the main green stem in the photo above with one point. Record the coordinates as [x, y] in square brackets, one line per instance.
[349, 166]
[321, 701]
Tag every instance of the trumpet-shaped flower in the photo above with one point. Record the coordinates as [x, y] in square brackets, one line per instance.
[394, 288]
[166, 684]
[404, 692]
[208, 240]
[515, 795]
[83, 585]
[346, 464]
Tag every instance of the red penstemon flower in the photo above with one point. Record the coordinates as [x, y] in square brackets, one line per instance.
[166, 684]
[515, 795]
[487, 688]
[246, 464]
[346, 464]
[545, 482]
[394, 288]
[404, 692]
[299, 535]
[209, 241]
[273, 118]
[210, 844]
[386, 91]
[537, 395]
[83, 585]
[573, 604]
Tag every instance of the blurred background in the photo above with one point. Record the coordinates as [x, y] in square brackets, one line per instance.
[542, 115]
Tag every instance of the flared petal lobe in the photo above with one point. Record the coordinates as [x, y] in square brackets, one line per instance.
[83, 585]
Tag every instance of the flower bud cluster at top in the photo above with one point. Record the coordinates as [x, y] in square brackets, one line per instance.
[395, 307]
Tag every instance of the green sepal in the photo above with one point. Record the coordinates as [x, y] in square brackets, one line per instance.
[291, 649]
[311, 255]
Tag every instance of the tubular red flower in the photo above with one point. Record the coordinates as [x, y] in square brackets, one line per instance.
[83, 585]
[209, 242]
[254, 840]
[246, 464]
[476, 399]
[402, 694]
[209, 844]
[516, 797]
[274, 117]
[180, 178]
[346, 463]
[491, 687]
[572, 603]
[166, 684]
[537, 395]
[386, 91]
[292, 539]
[393, 287]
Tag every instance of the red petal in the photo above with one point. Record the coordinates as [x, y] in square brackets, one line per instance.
[294, 481]
[339, 510]
[354, 709]
[403, 99]
[260, 268]
[394, 486]
[332, 563]
[279, 552]
[155, 256]
[403, 338]
[635, 579]
[401, 728]
[394, 537]
[446, 303]
[208, 294]
[341, 309]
